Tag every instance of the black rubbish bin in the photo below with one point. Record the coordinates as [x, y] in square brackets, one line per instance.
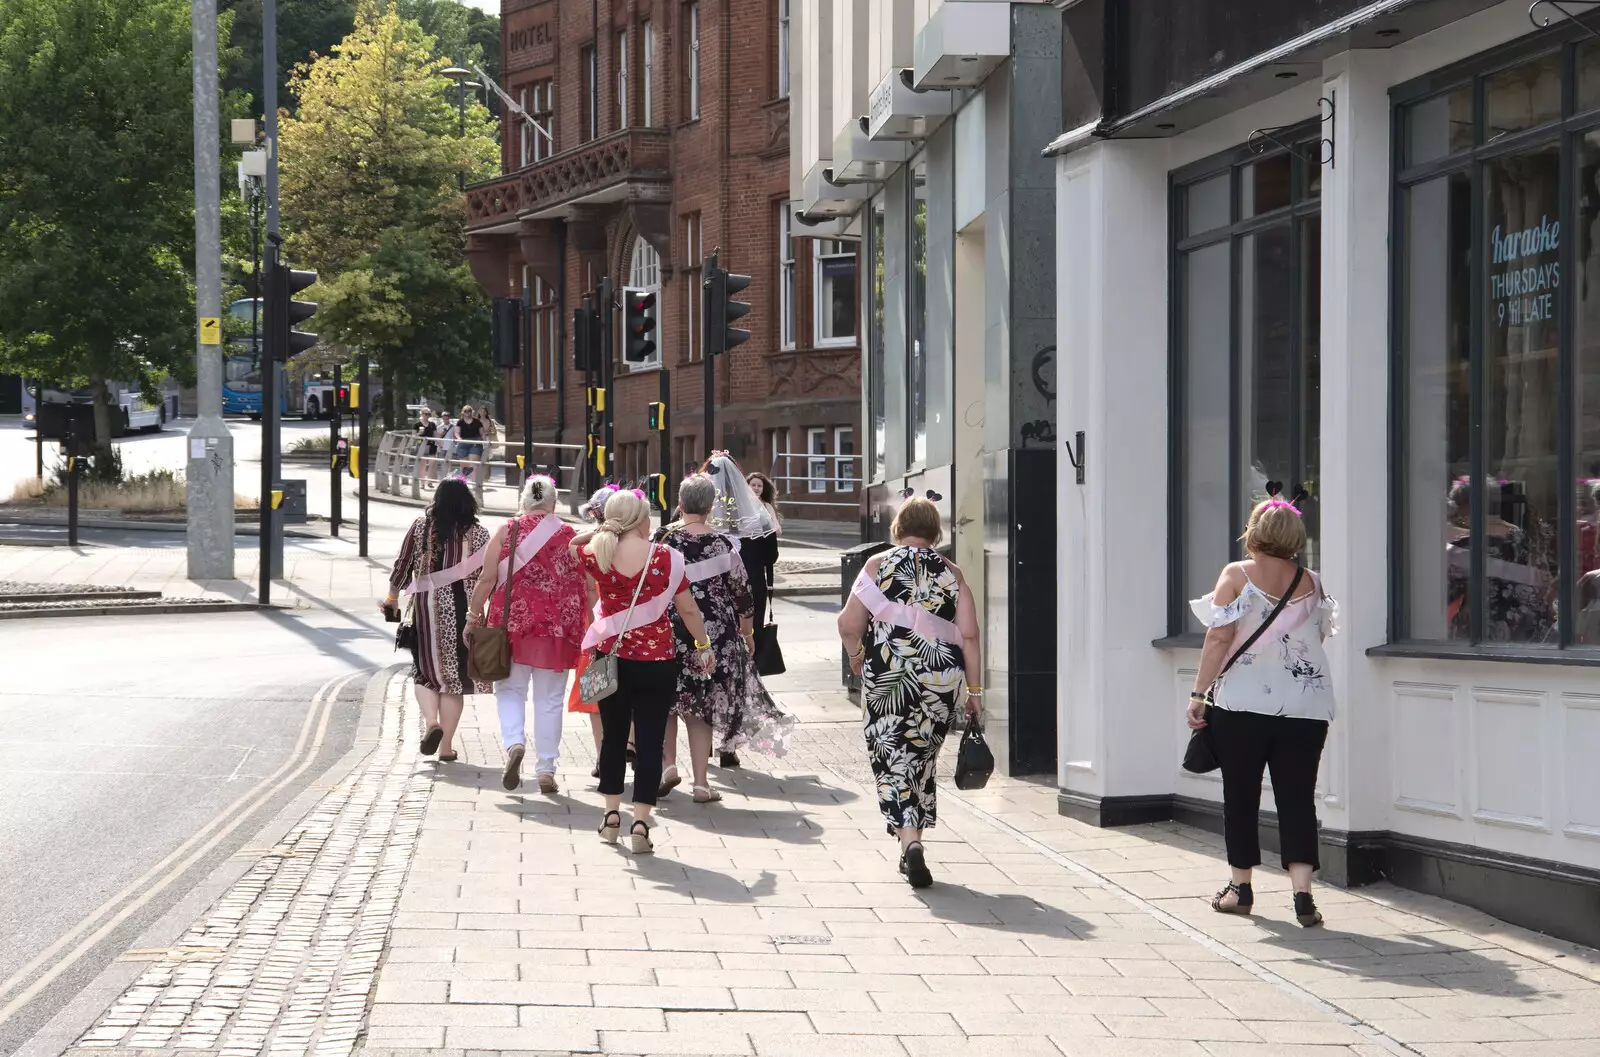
[851, 562]
[293, 507]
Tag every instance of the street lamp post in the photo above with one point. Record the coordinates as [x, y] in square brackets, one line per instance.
[460, 77]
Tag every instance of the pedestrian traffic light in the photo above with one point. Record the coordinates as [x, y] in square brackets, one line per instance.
[600, 458]
[639, 324]
[283, 313]
[585, 339]
[341, 398]
[597, 398]
[655, 486]
[721, 310]
[505, 332]
[657, 415]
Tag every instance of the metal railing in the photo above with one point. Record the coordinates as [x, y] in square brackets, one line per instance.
[405, 461]
[821, 476]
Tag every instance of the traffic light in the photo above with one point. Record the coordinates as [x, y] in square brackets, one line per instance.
[283, 312]
[585, 339]
[341, 398]
[600, 458]
[639, 324]
[597, 398]
[721, 310]
[657, 415]
[505, 337]
[655, 489]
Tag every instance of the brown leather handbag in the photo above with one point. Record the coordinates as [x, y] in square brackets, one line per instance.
[489, 650]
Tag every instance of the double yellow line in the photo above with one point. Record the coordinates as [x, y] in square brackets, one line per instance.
[124, 904]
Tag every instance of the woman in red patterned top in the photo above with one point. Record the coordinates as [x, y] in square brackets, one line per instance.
[545, 627]
[615, 557]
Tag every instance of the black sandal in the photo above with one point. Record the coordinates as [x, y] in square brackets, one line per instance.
[431, 740]
[1245, 895]
[610, 831]
[914, 866]
[1305, 910]
[642, 845]
[449, 757]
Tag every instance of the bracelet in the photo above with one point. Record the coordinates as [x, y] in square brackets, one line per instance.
[861, 651]
[1195, 695]
[702, 644]
[974, 691]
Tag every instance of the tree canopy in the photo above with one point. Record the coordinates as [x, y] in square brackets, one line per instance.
[370, 175]
[96, 191]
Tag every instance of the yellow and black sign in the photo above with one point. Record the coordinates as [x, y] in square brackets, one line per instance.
[355, 396]
[210, 330]
[355, 460]
[600, 458]
[597, 398]
[277, 499]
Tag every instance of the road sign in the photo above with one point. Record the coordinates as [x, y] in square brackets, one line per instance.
[210, 330]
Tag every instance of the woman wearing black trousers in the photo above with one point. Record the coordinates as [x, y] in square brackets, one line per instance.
[1267, 699]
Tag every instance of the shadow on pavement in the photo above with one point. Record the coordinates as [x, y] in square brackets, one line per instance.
[1008, 912]
[1414, 956]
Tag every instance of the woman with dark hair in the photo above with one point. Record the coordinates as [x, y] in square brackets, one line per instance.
[436, 570]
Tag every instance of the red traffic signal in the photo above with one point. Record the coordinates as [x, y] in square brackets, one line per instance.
[638, 324]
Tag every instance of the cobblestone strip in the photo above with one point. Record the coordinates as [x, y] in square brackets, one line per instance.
[283, 964]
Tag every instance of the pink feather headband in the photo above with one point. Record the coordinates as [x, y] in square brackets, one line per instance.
[1275, 490]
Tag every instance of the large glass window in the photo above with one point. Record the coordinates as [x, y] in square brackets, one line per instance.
[546, 344]
[786, 277]
[644, 273]
[916, 345]
[1497, 400]
[877, 394]
[1246, 354]
[647, 102]
[622, 79]
[691, 61]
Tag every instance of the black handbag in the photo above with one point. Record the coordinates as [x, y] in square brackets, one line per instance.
[768, 654]
[1200, 755]
[974, 761]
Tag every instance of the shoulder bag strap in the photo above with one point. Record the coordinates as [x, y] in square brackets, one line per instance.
[1294, 585]
[506, 623]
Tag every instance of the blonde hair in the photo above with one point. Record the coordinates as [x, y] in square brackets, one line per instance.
[1275, 528]
[538, 493]
[625, 512]
[917, 517]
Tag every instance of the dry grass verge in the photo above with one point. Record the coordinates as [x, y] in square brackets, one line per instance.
[153, 493]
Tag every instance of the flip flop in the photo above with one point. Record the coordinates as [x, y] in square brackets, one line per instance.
[431, 740]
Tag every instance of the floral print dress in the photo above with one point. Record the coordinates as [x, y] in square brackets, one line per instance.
[439, 661]
[732, 700]
[1285, 673]
[911, 686]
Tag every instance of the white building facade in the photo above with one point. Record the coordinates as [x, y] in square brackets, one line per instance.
[1360, 254]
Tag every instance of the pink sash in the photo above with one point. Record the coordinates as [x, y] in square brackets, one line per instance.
[445, 577]
[531, 544]
[914, 618]
[643, 614]
[706, 568]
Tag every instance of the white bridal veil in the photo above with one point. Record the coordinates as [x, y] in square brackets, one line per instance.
[737, 511]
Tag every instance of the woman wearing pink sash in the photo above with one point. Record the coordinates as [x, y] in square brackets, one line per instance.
[911, 629]
[437, 569]
[545, 626]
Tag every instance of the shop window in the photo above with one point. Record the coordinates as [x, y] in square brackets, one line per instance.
[834, 270]
[816, 461]
[1497, 532]
[1245, 357]
[844, 462]
[877, 394]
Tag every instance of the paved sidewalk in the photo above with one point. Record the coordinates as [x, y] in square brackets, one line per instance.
[774, 923]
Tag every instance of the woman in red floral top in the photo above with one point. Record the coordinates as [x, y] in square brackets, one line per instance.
[545, 627]
[615, 557]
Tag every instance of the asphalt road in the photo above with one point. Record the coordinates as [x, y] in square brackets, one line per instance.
[122, 738]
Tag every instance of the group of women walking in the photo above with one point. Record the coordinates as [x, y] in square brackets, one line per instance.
[671, 635]
[665, 621]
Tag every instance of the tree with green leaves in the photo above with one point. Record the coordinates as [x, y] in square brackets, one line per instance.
[96, 194]
[306, 29]
[369, 182]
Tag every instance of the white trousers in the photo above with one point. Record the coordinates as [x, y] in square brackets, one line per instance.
[549, 693]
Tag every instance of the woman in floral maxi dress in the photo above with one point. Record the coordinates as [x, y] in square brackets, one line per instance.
[731, 704]
[913, 684]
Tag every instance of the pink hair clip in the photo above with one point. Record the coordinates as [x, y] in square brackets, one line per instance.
[637, 492]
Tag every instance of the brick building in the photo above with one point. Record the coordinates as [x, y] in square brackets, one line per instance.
[675, 143]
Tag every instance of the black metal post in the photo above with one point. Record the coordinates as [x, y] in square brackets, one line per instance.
[461, 124]
[336, 489]
[588, 479]
[363, 422]
[708, 443]
[255, 262]
[608, 371]
[71, 443]
[267, 353]
[38, 436]
[527, 383]
[664, 394]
